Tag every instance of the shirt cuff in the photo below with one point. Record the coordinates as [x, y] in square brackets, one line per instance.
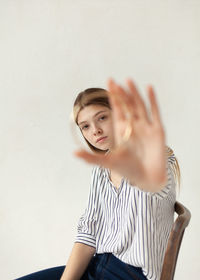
[86, 239]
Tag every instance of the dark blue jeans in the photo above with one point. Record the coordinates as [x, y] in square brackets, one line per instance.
[101, 267]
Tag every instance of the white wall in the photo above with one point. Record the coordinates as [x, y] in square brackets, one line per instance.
[51, 50]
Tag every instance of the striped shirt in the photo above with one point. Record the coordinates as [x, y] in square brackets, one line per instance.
[132, 224]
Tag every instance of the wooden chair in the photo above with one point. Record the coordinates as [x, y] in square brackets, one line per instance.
[174, 241]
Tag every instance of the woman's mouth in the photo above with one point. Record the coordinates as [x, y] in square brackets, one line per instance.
[101, 139]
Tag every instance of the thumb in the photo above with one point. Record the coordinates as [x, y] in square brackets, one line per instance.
[90, 158]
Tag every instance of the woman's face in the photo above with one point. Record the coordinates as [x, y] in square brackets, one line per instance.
[95, 123]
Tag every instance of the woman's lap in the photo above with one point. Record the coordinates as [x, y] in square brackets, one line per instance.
[107, 267]
[101, 267]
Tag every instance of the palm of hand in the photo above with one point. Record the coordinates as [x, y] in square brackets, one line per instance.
[142, 158]
[140, 138]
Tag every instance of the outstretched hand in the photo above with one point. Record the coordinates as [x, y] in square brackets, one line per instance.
[140, 152]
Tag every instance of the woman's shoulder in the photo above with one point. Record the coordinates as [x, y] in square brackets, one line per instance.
[97, 179]
[100, 177]
[99, 170]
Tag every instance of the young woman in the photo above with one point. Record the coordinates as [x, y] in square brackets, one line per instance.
[124, 230]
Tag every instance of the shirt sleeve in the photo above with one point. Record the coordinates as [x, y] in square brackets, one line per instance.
[86, 229]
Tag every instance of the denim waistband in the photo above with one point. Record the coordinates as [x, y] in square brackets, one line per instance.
[109, 267]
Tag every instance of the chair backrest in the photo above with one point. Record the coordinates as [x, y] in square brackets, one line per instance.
[174, 241]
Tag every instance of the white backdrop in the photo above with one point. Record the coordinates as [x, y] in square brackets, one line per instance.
[49, 51]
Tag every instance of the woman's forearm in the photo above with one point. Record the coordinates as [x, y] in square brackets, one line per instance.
[78, 261]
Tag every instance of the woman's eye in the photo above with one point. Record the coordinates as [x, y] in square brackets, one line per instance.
[102, 117]
[85, 127]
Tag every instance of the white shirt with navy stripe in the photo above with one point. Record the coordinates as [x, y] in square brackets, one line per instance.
[132, 224]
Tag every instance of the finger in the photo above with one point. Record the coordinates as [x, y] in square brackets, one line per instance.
[129, 103]
[116, 100]
[97, 159]
[125, 102]
[139, 103]
[153, 104]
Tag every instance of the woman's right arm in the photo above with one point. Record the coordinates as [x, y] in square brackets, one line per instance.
[78, 261]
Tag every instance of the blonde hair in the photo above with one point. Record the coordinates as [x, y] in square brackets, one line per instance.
[99, 96]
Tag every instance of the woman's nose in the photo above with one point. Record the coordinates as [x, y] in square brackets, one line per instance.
[97, 130]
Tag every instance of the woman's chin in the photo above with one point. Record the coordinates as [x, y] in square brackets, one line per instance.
[103, 147]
